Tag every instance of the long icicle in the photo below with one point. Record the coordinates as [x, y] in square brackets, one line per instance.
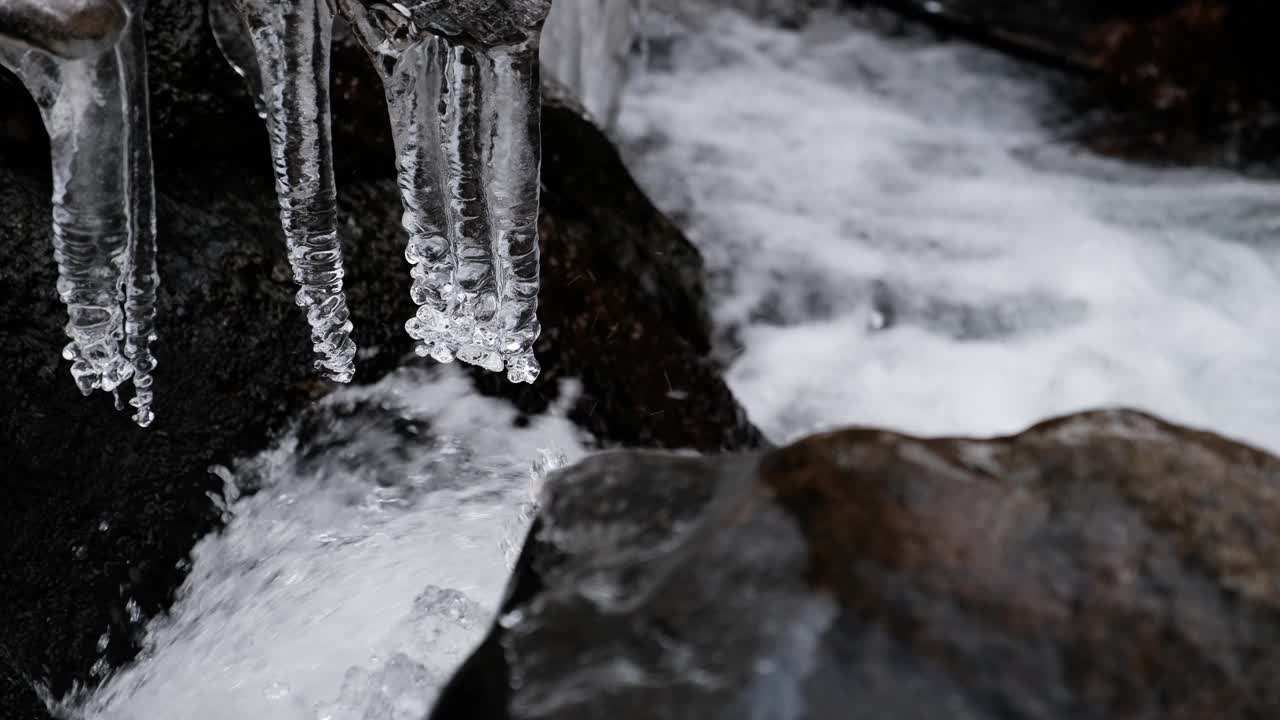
[514, 157]
[141, 280]
[465, 141]
[412, 76]
[291, 39]
[462, 88]
[84, 63]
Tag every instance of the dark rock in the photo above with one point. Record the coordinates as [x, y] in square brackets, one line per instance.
[99, 514]
[1103, 565]
[1162, 81]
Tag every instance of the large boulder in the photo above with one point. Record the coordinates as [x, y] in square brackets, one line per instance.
[99, 514]
[1105, 565]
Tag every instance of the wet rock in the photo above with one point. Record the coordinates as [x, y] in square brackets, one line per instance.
[1192, 81]
[1102, 565]
[99, 514]
[1163, 81]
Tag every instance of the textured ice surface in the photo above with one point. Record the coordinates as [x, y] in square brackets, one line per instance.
[290, 40]
[364, 568]
[465, 118]
[64, 28]
[94, 107]
[896, 238]
[586, 47]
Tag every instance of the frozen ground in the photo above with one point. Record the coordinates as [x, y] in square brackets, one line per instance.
[895, 239]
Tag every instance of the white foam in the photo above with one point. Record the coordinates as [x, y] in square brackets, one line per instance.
[822, 169]
[313, 582]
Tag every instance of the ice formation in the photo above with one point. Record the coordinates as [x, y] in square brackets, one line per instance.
[291, 45]
[461, 81]
[586, 47]
[462, 91]
[84, 62]
[462, 87]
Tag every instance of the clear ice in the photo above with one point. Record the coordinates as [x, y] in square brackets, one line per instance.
[84, 63]
[462, 88]
[290, 40]
[586, 47]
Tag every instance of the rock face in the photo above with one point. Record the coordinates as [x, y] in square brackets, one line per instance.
[98, 514]
[1103, 565]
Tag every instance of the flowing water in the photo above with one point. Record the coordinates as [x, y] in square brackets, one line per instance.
[898, 238]
[895, 237]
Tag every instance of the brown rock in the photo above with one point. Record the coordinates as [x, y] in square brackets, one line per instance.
[1106, 565]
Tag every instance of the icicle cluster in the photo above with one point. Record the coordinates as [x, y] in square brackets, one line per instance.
[461, 82]
[84, 62]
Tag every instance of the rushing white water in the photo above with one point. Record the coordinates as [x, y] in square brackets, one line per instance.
[897, 239]
[85, 64]
[362, 570]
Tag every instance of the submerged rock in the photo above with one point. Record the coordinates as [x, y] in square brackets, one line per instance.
[99, 514]
[1102, 565]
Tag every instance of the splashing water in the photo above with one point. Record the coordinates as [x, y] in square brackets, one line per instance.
[362, 568]
[896, 237]
[92, 93]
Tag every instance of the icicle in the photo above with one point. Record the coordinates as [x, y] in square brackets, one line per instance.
[232, 37]
[465, 143]
[141, 278]
[410, 68]
[84, 63]
[465, 117]
[291, 44]
[586, 47]
[513, 102]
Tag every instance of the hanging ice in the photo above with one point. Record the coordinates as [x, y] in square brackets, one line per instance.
[84, 62]
[586, 47]
[461, 80]
[290, 40]
[462, 87]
